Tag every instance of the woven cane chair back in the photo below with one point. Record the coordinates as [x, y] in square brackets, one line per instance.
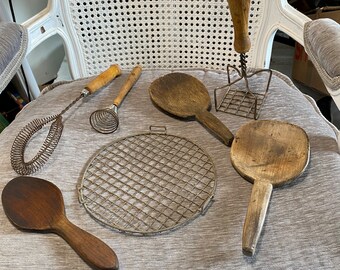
[159, 34]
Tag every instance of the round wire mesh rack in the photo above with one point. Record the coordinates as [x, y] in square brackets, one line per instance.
[148, 183]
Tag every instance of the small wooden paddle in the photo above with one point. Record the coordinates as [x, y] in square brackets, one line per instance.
[36, 204]
[185, 96]
[269, 154]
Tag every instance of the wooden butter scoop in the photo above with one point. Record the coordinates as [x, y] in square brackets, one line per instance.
[185, 96]
[35, 204]
[269, 154]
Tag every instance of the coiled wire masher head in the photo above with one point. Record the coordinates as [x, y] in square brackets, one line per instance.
[17, 153]
[51, 141]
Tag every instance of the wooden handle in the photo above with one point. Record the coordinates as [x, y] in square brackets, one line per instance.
[239, 10]
[256, 214]
[216, 126]
[103, 78]
[130, 81]
[91, 249]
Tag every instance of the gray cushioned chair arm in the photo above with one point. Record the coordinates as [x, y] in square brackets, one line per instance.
[322, 44]
[13, 45]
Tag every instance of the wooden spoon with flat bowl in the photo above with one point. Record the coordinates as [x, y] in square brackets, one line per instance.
[35, 204]
[185, 96]
[269, 154]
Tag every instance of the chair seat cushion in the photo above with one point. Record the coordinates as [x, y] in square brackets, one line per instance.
[302, 226]
[13, 45]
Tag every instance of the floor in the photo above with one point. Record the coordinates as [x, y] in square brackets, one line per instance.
[282, 60]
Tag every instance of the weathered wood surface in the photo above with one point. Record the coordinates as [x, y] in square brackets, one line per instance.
[269, 154]
[128, 84]
[103, 78]
[185, 96]
[239, 10]
[35, 204]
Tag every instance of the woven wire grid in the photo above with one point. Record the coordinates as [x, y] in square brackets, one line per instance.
[242, 103]
[148, 183]
[239, 99]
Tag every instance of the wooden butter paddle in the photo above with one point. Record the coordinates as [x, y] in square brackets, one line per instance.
[35, 204]
[185, 96]
[269, 154]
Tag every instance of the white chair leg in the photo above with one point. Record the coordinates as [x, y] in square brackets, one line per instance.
[31, 81]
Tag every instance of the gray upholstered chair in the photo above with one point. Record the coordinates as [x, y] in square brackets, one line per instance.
[196, 37]
[13, 46]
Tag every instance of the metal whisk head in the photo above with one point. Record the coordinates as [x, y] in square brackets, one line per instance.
[106, 120]
[24, 136]
[46, 150]
[54, 134]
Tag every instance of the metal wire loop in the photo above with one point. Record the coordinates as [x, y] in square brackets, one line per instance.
[104, 121]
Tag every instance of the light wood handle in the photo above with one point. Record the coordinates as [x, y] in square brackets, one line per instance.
[91, 249]
[103, 78]
[130, 81]
[239, 10]
[256, 214]
[216, 126]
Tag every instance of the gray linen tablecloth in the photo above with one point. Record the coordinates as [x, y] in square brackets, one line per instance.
[302, 228]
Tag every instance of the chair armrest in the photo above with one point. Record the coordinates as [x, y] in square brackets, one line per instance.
[322, 44]
[13, 45]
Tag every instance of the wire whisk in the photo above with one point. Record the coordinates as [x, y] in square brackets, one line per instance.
[106, 120]
[52, 139]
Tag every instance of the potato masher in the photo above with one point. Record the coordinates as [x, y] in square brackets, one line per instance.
[239, 99]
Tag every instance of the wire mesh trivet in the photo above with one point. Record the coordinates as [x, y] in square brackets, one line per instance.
[148, 183]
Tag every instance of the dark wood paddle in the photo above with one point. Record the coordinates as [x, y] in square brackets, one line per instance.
[269, 154]
[36, 204]
[185, 96]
